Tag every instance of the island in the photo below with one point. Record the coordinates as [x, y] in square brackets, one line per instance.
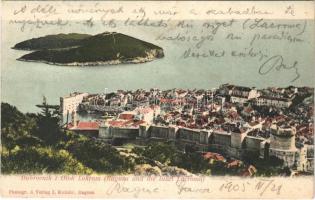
[52, 42]
[75, 49]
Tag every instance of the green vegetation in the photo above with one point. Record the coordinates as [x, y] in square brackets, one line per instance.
[102, 158]
[34, 143]
[105, 47]
[194, 162]
[40, 160]
[271, 166]
[52, 42]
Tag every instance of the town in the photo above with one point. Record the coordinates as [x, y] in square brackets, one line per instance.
[232, 120]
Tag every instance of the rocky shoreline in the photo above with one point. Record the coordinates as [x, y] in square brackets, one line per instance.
[152, 55]
[108, 48]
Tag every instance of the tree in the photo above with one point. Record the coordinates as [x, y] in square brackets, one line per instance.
[16, 128]
[34, 143]
[48, 119]
[41, 160]
[97, 155]
[162, 152]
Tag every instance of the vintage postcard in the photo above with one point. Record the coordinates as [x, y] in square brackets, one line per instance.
[157, 99]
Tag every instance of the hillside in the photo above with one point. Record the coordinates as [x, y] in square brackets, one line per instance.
[100, 49]
[51, 42]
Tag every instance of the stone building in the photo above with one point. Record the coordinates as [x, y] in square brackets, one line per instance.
[282, 144]
[70, 103]
[273, 101]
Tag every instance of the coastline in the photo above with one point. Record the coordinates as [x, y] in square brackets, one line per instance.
[151, 55]
[87, 64]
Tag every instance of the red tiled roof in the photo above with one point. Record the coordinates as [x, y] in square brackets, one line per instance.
[215, 156]
[126, 116]
[234, 163]
[248, 110]
[137, 123]
[116, 123]
[249, 171]
[86, 126]
[129, 123]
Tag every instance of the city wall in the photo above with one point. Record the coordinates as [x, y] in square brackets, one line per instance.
[229, 144]
[253, 143]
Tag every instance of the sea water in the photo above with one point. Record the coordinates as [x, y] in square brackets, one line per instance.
[23, 84]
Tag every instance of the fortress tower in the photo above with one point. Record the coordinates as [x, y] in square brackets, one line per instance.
[237, 138]
[144, 131]
[104, 131]
[282, 144]
[282, 138]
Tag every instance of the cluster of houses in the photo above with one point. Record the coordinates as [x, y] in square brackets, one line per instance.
[281, 98]
[232, 120]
